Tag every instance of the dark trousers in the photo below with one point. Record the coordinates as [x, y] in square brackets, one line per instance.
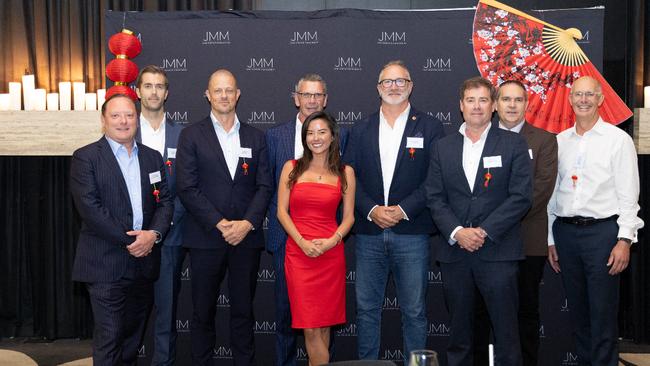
[208, 270]
[531, 271]
[120, 311]
[285, 336]
[497, 284]
[166, 291]
[592, 293]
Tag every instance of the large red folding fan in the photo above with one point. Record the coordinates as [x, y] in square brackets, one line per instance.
[509, 44]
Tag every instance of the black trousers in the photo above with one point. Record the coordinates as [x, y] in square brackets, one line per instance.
[531, 271]
[208, 268]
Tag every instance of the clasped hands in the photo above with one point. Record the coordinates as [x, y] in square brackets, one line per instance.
[470, 238]
[143, 244]
[316, 247]
[234, 231]
[386, 216]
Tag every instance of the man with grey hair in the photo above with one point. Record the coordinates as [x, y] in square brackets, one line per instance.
[389, 152]
[593, 221]
[284, 143]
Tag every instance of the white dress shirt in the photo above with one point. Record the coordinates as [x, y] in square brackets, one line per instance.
[605, 163]
[229, 142]
[472, 152]
[154, 139]
[390, 139]
[298, 150]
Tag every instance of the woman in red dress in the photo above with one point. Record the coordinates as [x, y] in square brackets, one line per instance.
[309, 193]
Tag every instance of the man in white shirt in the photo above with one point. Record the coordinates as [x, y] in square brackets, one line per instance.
[593, 221]
[160, 134]
[389, 152]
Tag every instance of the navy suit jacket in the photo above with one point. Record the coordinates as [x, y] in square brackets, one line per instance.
[497, 208]
[407, 186]
[209, 193]
[102, 199]
[281, 143]
[173, 130]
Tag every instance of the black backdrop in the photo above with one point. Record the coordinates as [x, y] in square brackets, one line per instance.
[268, 51]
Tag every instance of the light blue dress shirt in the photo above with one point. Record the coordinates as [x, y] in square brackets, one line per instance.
[130, 167]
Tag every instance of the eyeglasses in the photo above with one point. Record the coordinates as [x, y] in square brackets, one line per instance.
[587, 95]
[387, 83]
[317, 96]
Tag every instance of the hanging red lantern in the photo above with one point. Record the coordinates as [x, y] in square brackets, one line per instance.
[122, 70]
[121, 89]
[124, 44]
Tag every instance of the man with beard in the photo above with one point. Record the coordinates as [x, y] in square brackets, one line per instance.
[161, 134]
[389, 152]
[593, 221]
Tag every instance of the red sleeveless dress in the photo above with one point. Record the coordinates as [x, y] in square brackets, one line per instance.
[316, 286]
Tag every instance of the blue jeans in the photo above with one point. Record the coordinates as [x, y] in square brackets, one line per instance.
[407, 258]
[166, 290]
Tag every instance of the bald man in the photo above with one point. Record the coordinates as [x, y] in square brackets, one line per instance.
[593, 221]
[223, 180]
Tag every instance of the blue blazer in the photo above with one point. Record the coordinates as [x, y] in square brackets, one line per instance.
[497, 208]
[280, 141]
[208, 192]
[173, 130]
[102, 199]
[407, 186]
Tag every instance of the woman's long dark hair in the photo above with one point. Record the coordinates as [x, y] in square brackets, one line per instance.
[333, 154]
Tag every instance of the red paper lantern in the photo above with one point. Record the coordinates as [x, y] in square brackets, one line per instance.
[122, 70]
[125, 43]
[121, 89]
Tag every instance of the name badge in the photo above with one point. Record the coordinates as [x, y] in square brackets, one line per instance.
[154, 177]
[530, 152]
[171, 153]
[415, 142]
[246, 152]
[492, 162]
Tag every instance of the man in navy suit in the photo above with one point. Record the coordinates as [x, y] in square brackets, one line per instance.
[120, 191]
[389, 152]
[478, 190]
[160, 134]
[224, 183]
[284, 143]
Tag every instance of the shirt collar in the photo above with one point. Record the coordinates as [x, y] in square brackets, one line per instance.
[298, 123]
[483, 135]
[599, 128]
[517, 128]
[216, 124]
[402, 116]
[116, 146]
[145, 122]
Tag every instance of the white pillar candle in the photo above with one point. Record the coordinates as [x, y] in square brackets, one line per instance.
[14, 92]
[52, 101]
[5, 101]
[28, 88]
[101, 98]
[91, 101]
[65, 95]
[38, 99]
[646, 97]
[79, 95]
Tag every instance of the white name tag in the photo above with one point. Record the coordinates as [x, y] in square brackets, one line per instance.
[171, 153]
[530, 152]
[246, 152]
[154, 177]
[415, 142]
[492, 161]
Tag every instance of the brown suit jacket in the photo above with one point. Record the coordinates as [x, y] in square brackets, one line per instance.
[534, 226]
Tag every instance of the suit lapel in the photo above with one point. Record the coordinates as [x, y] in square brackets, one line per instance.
[491, 142]
[213, 142]
[457, 155]
[244, 141]
[374, 144]
[111, 162]
[287, 146]
[411, 123]
[145, 184]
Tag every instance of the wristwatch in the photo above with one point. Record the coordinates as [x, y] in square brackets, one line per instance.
[158, 236]
[629, 241]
